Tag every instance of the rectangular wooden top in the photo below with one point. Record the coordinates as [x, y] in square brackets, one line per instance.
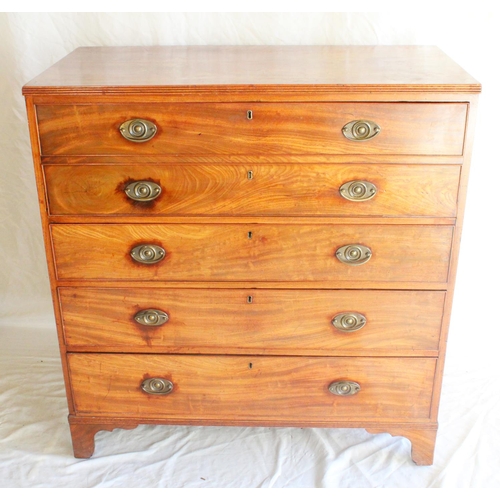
[125, 70]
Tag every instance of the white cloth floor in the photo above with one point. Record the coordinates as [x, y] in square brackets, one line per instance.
[35, 443]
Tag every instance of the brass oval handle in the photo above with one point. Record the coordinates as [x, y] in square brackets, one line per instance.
[148, 254]
[138, 130]
[344, 388]
[360, 130]
[143, 190]
[358, 190]
[354, 255]
[151, 317]
[159, 386]
[349, 321]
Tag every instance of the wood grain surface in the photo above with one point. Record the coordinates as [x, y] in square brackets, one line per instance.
[214, 70]
[234, 387]
[405, 323]
[268, 190]
[232, 252]
[278, 128]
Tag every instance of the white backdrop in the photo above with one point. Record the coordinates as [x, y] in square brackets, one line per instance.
[30, 43]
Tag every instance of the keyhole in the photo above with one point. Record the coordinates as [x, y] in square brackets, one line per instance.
[249, 114]
[249, 235]
[250, 174]
[250, 365]
[249, 299]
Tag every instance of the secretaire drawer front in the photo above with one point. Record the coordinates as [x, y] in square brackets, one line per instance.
[229, 387]
[252, 128]
[228, 321]
[287, 189]
[252, 252]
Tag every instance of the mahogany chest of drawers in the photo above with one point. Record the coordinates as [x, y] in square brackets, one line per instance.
[253, 235]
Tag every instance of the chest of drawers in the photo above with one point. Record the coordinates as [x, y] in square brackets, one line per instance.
[261, 236]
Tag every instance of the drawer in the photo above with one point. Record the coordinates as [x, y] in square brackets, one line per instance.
[258, 321]
[401, 190]
[275, 128]
[252, 252]
[228, 388]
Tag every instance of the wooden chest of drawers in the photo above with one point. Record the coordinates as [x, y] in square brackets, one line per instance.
[253, 235]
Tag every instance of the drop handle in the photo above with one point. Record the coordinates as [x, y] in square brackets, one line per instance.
[354, 255]
[358, 190]
[148, 254]
[151, 317]
[360, 130]
[344, 388]
[143, 191]
[349, 321]
[157, 386]
[138, 130]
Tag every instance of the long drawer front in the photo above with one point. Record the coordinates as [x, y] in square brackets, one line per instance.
[314, 322]
[253, 128]
[251, 387]
[252, 252]
[287, 189]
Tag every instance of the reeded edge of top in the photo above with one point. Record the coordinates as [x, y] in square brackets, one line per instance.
[267, 89]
